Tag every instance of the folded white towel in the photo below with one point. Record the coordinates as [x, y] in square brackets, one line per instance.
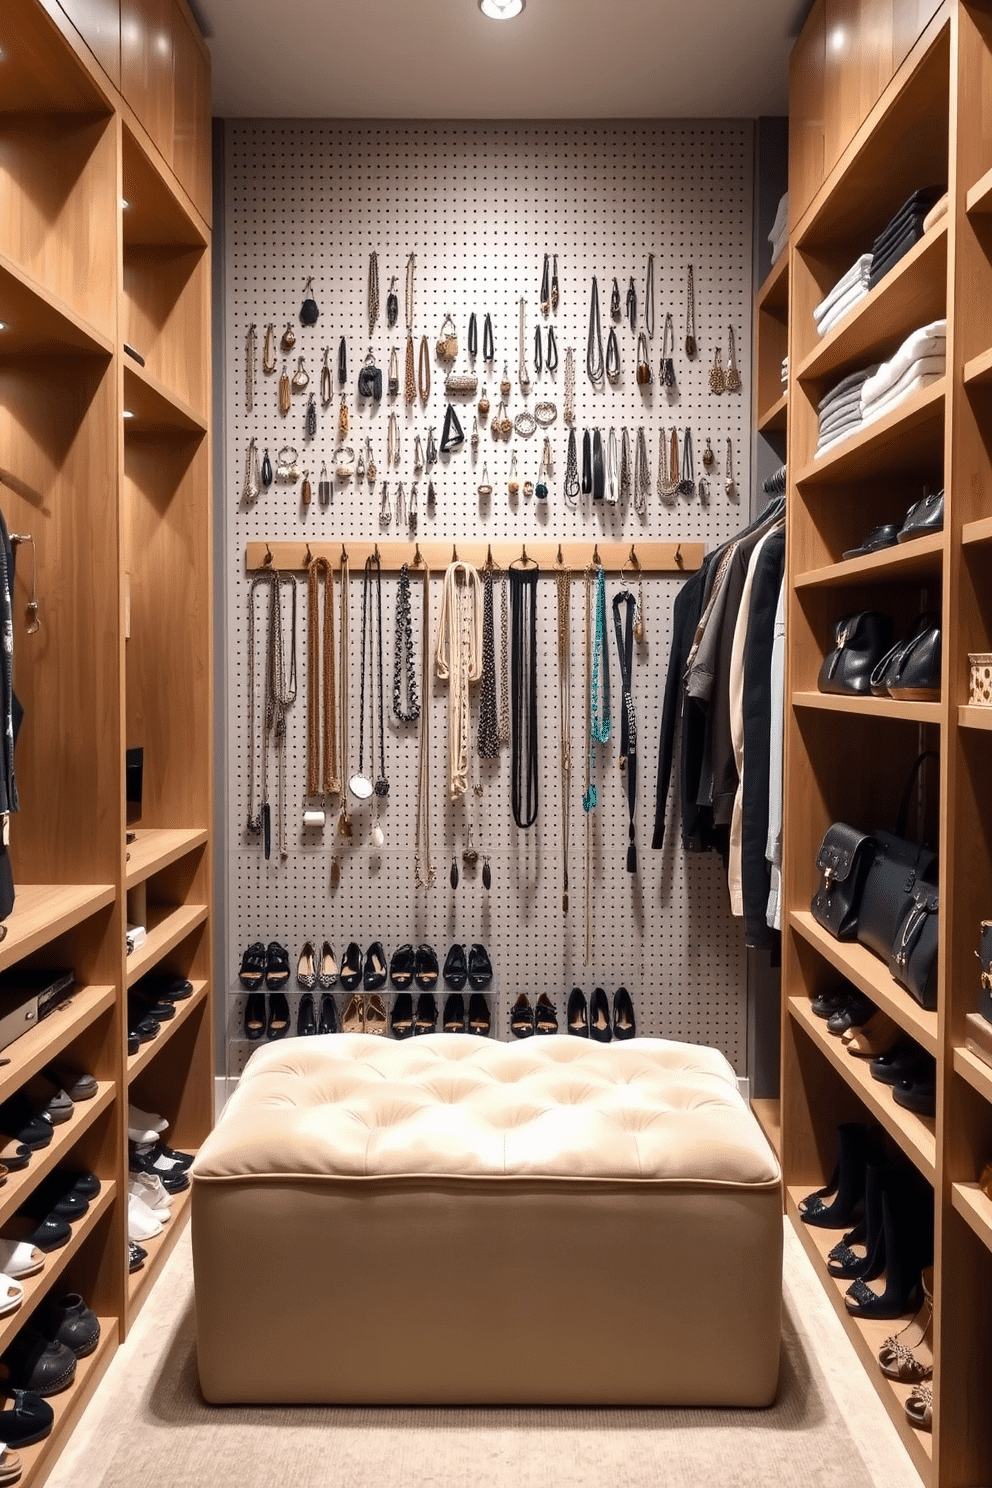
[780, 227]
[936, 212]
[906, 390]
[923, 342]
[856, 274]
[838, 310]
[935, 362]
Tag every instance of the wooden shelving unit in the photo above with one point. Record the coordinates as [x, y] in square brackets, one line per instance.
[105, 239]
[860, 143]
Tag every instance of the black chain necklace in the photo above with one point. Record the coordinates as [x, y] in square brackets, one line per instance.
[488, 723]
[628, 723]
[594, 345]
[523, 730]
[404, 672]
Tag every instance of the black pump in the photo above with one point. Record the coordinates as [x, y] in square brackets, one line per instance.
[624, 1026]
[847, 1183]
[907, 1224]
[599, 1017]
[577, 1017]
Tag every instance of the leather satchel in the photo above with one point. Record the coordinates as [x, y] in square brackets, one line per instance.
[861, 641]
[913, 958]
[897, 867]
[911, 670]
[843, 860]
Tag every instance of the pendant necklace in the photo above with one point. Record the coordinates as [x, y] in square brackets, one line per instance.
[423, 862]
[563, 581]
[360, 785]
[344, 661]
[523, 714]
[321, 700]
[628, 722]
[458, 661]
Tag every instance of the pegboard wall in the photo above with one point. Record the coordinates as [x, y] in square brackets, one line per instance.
[479, 205]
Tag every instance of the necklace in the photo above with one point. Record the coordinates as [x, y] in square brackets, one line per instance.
[458, 661]
[668, 479]
[642, 473]
[373, 290]
[632, 305]
[360, 785]
[250, 489]
[552, 361]
[554, 283]
[269, 349]
[424, 864]
[488, 348]
[666, 371]
[381, 783]
[563, 581]
[730, 485]
[504, 663]
[649, 297]
[523, 377]
[586, 462]
[545, 286]
[321, 699]
[488, 723]
[612, 458]
[279, 695]
[410, 380]
[523, 721]
[571, 486]
[690, 315]
[250, 368]
[594, 344]
[625, 465]
[569, 411]
[613, 357]
[599, 717]
[408, 304]
[392, 304]
[344, 661]
[628, 722]
[424, 370]
[325, 380]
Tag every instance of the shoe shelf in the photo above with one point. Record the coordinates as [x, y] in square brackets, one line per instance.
[768, 1114]
[154, 849]
[871, 707]
[916, 1135]
[978, 371]
[68, 1406]
[974, 716]
[911, 295]
[866, 1334]
[893, 444]
[37, 322]
[871, 976]
[159, 1248]
[22, 1182]
[147, 1052]
[775, 419]
[923, 557]
[42, 912]
[978, 201]
[977, 1073]
[152, 408]
[36, 1287]
[167, 925]
[975, 1209]
[42, 1043]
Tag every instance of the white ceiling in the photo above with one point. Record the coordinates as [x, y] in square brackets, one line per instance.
[564, 59]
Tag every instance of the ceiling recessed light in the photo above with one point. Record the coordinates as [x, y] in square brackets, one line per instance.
[3, 325]
[501, 10]
[838, 38]
[128, 413]
[125, 203]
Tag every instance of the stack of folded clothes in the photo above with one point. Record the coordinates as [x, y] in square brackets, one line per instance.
[775, 483]
[779, 235]
[903, 232]
[845, 293]
[920, 360]
[785, 371]
[840, 409]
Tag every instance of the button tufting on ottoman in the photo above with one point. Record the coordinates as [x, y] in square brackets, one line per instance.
[454, 1220]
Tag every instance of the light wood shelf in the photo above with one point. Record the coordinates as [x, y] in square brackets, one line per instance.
[167, 926]
[775, 419]
[978, 371]
[866, 1334]
[68, 1406]
[975, 1209]
[977, 532]
[977, 1073]
[892, 444]
[155, 848]
[916, 1135]
[871, 976]
[978, 201]
[653, 557]
[868, 707]
[154, 408]
[45, 1041]
[773, 296]
[974, 716]
[37, 323]
[23, 1181]
[147, 1052]
[159, 1248]
[768, 1113]
[43, 912]
[923, 556]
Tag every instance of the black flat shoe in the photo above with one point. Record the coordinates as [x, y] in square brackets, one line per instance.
[252, 973]
[328, 1015]
[479, 1017]
[306, 968]
[29, 1420]
[522, 1017]
[846, 1186]
[828, 1003]
[425, 968]
[401, 1017]
[455, 968]
[375, 967]
[255, 1015]
[854, 1012]
[545, 1015]
[426, 1013]
[918, 1091]
[168, 988]
[401, 967]
[17, 1120]
[351, 967]
[480, 968]
[898, 1063]
[276, 966]
[306, 1022]
[624, 1026]
[278, 1025]
[599, 1017]
[577, 1015]
[453, 1020]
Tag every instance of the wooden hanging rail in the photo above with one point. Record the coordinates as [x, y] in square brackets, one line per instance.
[652, 557]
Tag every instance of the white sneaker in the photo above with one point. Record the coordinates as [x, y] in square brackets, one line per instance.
[151, 1193]
[141, 1222]
[144, 1126]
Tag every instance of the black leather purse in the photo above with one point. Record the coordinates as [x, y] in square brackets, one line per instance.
[861, 640]
[896, 869]
[911, 670]
[913, 958]
[370, 380]
[843, 860]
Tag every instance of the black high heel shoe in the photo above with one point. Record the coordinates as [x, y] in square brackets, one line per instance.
[522, 1017]
[907, 1223]
[623, 1015]
[401, 967]
[255, 1015]
[480, 968]
[351, 967]
[401, 1017]
[425, 968]
[577, 1013]
[453, 1020]
[328, 1015]
[426, 1013]
[599, 1017]
[306, 1022]
[545, 1015]
[455, 968]
[847, 1183]
[278, 1016]
[479, 1016]
[375, 967]
[843, 1261]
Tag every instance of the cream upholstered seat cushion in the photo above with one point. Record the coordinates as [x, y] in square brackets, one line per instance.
[358, 1106]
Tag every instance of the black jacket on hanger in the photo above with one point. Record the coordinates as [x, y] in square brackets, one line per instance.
[766, 583]
[688, 607]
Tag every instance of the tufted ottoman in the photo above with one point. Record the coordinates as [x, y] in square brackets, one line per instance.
[455, 1220]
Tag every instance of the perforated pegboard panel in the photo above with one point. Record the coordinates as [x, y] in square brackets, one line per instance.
[479, 205]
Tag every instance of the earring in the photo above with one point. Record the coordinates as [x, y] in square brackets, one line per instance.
[709, 459]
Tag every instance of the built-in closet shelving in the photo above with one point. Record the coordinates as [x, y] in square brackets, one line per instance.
[104, 240]
[868, 125]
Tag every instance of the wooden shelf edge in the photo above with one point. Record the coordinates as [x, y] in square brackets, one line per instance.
[139, 1283]
[42, 912]
[155, 848]
[871, 707]
[975, 716]
[917, 410]
[45, 1041]
[866, 1335]
[774, 292]
[79, 334]
[163, 937]
[977, 1073]
[870, 976]
[159, 410]
[25, 1180]
[978, 201]
[184, 1010]
[977, 532]
[979, 369]
[909, 1131]
[968, 1200]
[68, 1406]
[775, 419]
[889, 562]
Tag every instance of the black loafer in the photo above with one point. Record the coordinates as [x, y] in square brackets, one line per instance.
[306, 1022]
[401, 1021]
[141, 1006]
[480, 968]
[278, 1025]
[166, 988]
[375, 967]
[351, 967]
[886, 535]
[455, 968]
[479, 1017]
[545, 1015]
[328, 1015]
[255, 1015]
[49, 1233]
[401, 967]
[28, 1420]
[522, 1017]
[624, 1026]
[855, 1011]
[57, 1195]
[918, 1092]
[252, 973]
[70, 1322]
[19, 1121]
[36, 1364]
[133, 1045]
[898, 1063]
[425, 968]
[426, 1021]
[87, 1184]
[600, 1027]
[453, 1020]
[827, 1003]
[276, 966]
[143, 1027]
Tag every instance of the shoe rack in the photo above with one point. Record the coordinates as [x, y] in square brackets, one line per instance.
[104, 240]
[872, 118]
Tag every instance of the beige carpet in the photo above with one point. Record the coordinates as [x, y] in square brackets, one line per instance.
[148, 1427]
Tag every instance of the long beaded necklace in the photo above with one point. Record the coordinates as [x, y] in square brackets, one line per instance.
[423, 862]
[344, 657]
[523, 716]
[488, 722]
[458, 661]
[404, 671]
[279, 695]
[628, 721]
[321, 699]
[563, 581]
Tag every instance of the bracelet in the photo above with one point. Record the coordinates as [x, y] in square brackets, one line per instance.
[545, 414]
[525, 423]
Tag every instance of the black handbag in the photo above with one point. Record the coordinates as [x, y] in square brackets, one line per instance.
[370, 380]
[911, 670]
[861, 640]
[896, 868]
[913, 958]
[844, 858]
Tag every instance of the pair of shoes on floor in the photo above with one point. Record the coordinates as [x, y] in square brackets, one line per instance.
[912, 1073]
[42, 1358]
[409, 965]
[364, 1014]
[477, 1020]
[594, 1021]
[475, 968]
[368, 971]
[307, 1022]
[311, 974]
[525, 1020]
[264, 964]
[274, 1023]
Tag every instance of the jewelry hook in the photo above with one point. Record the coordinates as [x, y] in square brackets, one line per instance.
[267, 560]
[560, 558]
[344, 560]
[454, 553]
[679, 560]
[417, 560]
[309, 557]
[597, 562]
